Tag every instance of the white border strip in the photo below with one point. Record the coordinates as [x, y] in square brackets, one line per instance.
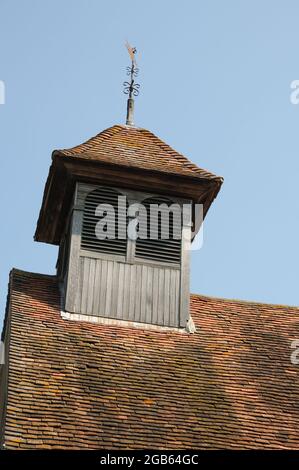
[190, 328]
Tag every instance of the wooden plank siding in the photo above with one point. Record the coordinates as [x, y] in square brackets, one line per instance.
[109, 289]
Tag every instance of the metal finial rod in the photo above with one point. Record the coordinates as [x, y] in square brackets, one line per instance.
[131, 88]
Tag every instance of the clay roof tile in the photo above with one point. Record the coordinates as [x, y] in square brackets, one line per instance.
[83, 385]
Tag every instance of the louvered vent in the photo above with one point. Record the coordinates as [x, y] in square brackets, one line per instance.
[161, 250]
[89, 240]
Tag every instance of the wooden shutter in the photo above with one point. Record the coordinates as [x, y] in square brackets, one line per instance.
[89, 241]
[160, 250]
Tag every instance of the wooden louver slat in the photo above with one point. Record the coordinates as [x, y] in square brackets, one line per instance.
[89, 241]
[164, 250]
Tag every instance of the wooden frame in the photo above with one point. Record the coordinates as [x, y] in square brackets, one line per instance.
[173, 277]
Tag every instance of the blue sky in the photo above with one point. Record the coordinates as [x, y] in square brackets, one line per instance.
[215, 84]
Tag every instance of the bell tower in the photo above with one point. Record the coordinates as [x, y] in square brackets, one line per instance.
[121, 207]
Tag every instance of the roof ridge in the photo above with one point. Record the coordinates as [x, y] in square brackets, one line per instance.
[240, 301]
[21, 272]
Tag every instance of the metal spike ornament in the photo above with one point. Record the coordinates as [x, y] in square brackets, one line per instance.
[131, 88]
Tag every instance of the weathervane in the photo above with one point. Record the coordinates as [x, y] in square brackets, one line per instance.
[131, 88]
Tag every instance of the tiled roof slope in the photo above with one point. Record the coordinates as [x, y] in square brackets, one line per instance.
[83, 385]
[136, 147]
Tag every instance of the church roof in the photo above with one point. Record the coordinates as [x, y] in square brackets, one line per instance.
[136, 147]
[81, 385]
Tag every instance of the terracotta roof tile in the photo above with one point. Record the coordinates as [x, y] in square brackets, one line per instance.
[136, 147]
[82, 385]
